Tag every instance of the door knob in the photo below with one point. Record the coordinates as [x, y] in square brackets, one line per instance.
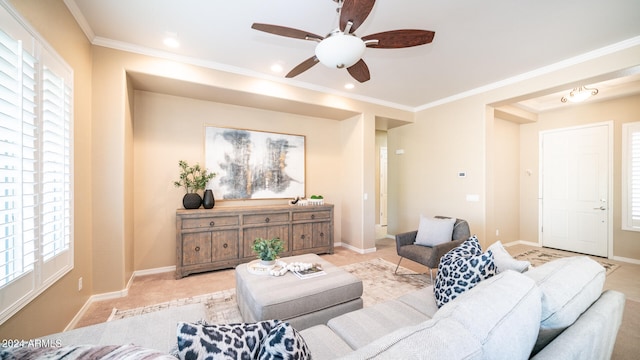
[600, 208]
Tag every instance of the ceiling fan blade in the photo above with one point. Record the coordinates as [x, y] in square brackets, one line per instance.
[359, 71]
[355, 11]
[286, 31]
[302, 67]
[400, 38]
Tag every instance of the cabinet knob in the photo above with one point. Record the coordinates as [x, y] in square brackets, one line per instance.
[197, 248]
[321, 234]
[313, 216]
[267, 220]
[225, 246]
[212, 223]
[302, 236]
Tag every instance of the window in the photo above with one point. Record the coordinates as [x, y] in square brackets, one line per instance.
[36, 92]
[631, 176]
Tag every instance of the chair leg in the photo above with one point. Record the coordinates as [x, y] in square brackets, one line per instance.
[398, 266]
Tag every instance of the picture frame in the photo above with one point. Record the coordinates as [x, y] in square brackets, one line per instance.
[252, 164]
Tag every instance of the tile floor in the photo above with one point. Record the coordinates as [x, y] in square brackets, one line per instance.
[158, 288]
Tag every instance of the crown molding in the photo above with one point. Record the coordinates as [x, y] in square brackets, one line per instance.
[610, 49]
[80, 19]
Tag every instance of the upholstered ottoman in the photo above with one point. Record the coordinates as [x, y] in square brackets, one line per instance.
[301, 302]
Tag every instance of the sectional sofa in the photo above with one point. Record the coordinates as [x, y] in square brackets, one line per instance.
[555, 311]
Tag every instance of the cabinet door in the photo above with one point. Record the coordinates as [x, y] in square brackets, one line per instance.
[224, 244]
[196, 248]
[321, 234]
[265, 232]
[302, 236]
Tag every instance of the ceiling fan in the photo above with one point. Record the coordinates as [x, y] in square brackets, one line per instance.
[341, 48]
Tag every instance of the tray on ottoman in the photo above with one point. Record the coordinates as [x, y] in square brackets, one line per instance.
[301, 302]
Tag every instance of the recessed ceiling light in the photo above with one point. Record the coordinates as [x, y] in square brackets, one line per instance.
[349, 86]
[171, 40]
[277, 68]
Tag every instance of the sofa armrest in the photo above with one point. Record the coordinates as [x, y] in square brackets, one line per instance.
[593, 335]
[441, 249]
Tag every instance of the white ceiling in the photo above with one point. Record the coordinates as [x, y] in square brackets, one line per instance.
[477, 43]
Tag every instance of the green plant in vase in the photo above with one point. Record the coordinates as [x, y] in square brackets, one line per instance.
[267, 250]
[193, 179]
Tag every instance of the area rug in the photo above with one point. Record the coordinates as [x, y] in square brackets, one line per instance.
[538, 257]
[378, 281]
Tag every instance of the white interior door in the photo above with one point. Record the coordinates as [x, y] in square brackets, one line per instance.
[383, 186]
[575, 180]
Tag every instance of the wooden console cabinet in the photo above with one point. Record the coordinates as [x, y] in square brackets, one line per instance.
[219, 238]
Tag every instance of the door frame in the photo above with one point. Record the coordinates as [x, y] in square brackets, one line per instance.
[610, 200]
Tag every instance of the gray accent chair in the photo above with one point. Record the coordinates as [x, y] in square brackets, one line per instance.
[427, 255]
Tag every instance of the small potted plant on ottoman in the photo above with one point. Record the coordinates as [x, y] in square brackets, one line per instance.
[267, 250]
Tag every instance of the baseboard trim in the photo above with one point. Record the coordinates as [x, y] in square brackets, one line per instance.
[114, 294]
[153, 271]
[627, 260]
[358, 250]
[521, 242]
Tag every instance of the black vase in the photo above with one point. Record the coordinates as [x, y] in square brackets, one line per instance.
[208, 202]
[191, 201]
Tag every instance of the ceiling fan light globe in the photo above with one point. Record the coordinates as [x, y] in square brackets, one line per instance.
[340, 50]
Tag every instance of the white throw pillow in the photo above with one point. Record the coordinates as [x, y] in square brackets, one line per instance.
[504, 261]
[433, 231]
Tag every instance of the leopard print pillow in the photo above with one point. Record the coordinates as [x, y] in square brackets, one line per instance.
[223, 341]
[284, 342]
[461, 269]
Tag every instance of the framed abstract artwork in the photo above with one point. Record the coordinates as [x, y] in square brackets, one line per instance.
[255, 164]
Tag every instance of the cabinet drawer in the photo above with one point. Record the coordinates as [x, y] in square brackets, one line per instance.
[312, 215]
[265, 218]
[210, 222]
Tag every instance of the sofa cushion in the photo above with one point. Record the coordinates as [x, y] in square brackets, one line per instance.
[569, 286]
[462, 268]
[428, 340]
[201, 340]
[498, 319]
[434, 231]
[502, 312]
[360, 327]
[284, 342]
[421, 300]
[325, 344]
[504, 261]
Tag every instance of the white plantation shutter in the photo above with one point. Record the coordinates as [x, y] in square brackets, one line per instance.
[36, 244]
[631, 176]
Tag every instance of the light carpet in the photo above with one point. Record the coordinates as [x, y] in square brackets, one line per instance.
[628, 341]
[378, 281]
[540, 256]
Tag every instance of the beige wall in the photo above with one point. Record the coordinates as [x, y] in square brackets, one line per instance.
[462, 136]
[171, 128]
[354, 169]
[53, 310]
[505, 173]
[424, 180]
[440, 141]
[626, 244]
[381, 141]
